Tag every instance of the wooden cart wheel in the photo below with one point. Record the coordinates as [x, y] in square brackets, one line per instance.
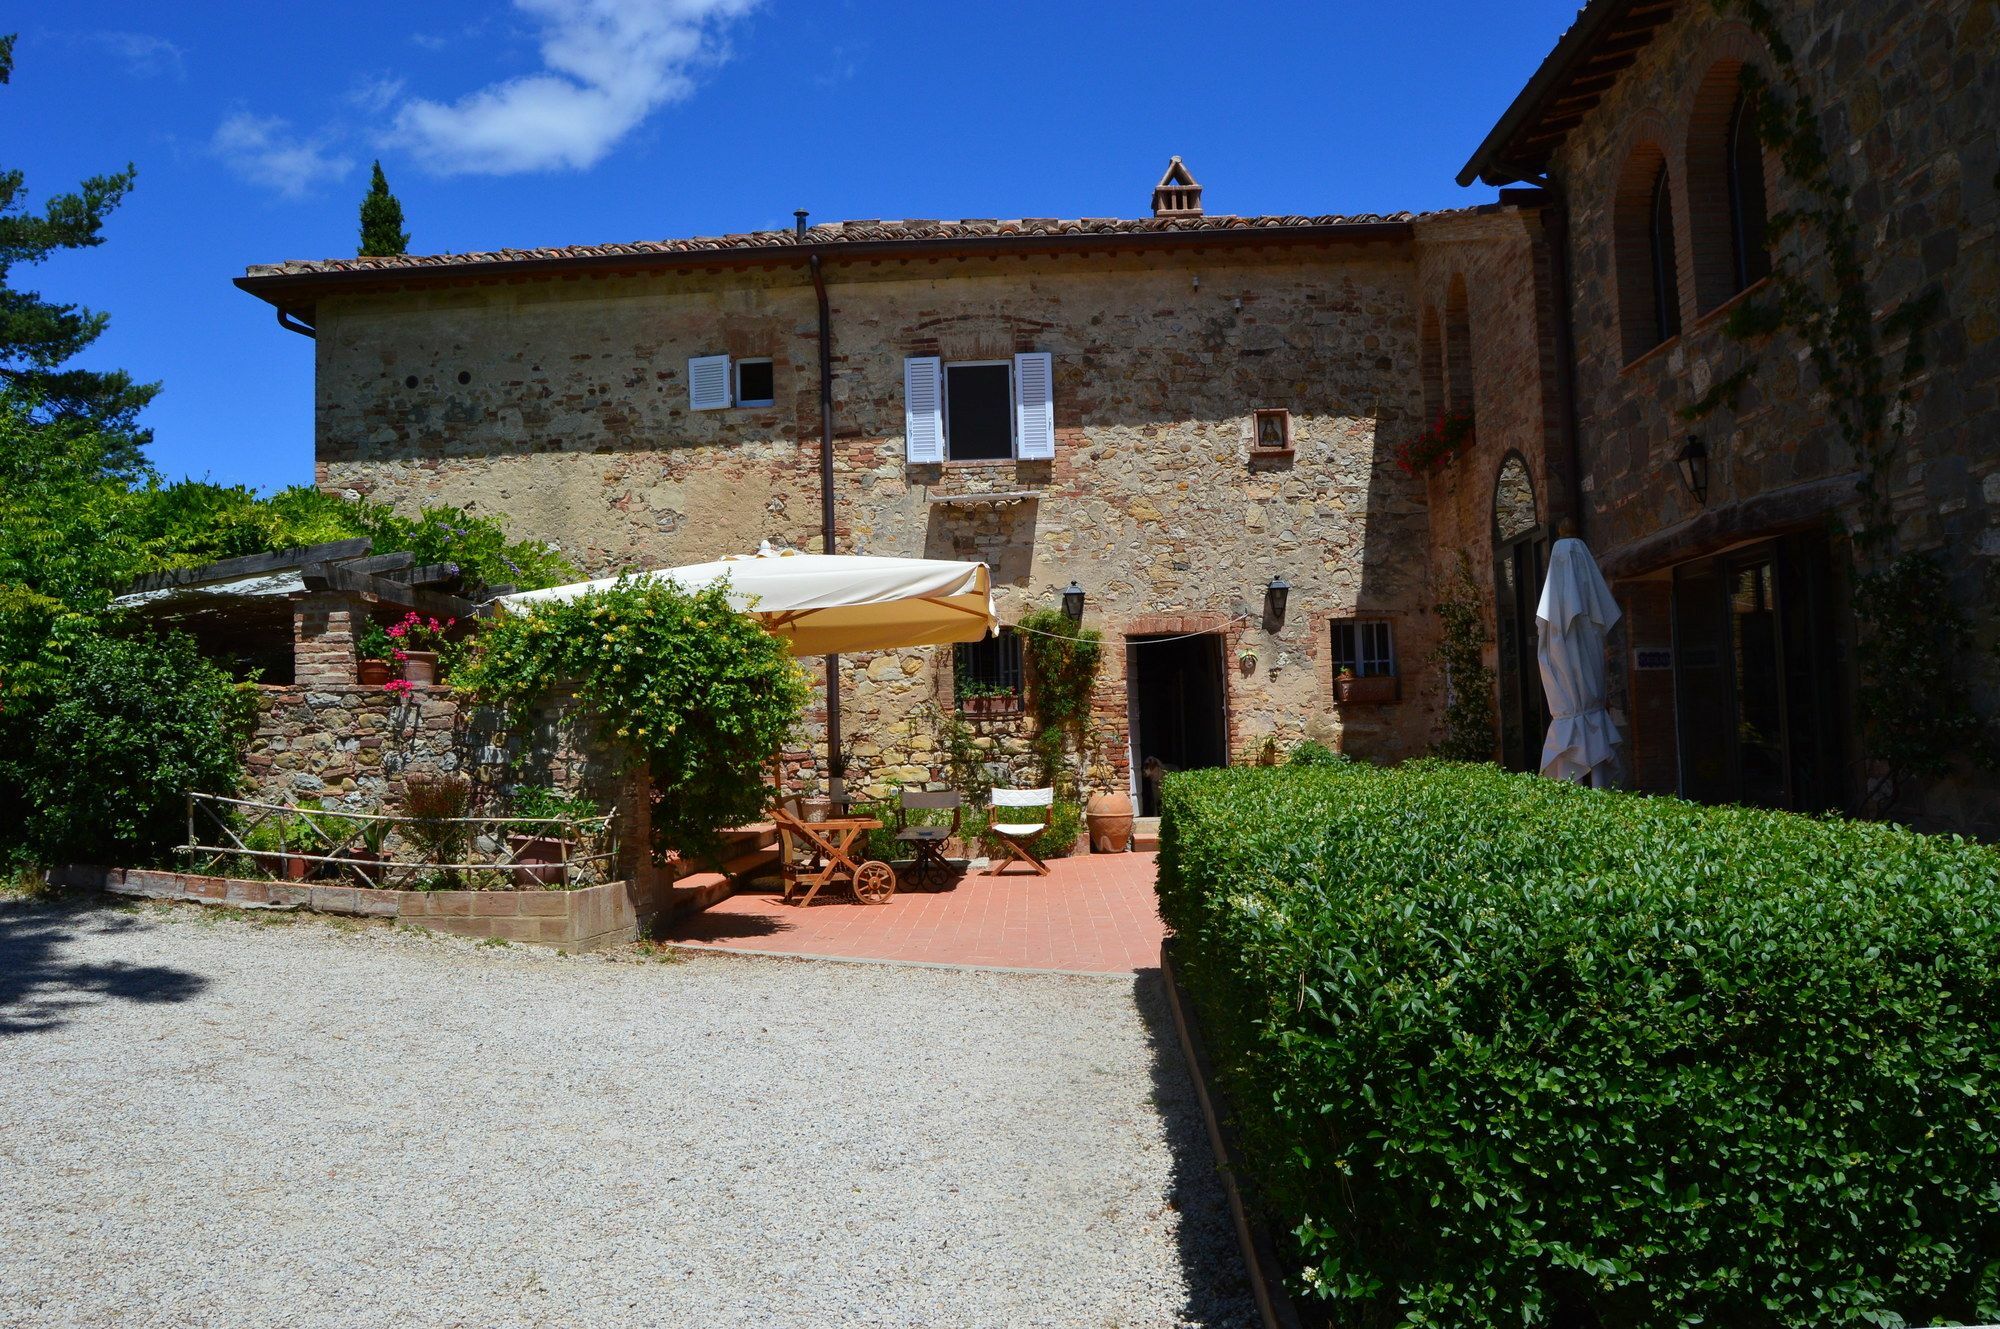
[874, 882]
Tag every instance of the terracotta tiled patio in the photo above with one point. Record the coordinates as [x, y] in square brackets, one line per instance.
[1093, 913]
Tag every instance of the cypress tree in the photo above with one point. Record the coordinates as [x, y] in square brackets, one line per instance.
[382, 233]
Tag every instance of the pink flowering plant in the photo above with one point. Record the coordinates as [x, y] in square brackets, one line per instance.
[1448, 435]
[418, 633]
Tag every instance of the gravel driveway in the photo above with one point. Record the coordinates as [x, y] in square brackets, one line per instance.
[213, 1121]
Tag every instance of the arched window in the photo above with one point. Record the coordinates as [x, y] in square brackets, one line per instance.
[1458, 345]
[1660, 242]
[1520, 560]
[1748, 219]
[1642, 217]
[1430, 364]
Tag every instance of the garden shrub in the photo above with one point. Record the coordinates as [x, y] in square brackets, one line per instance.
[126, 727]
[1510, 1051]
[678, 680]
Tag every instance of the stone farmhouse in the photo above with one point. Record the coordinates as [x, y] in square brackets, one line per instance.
[1173, 412]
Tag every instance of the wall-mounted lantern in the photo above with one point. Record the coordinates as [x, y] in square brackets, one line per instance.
[1072, 602]
[1692, 461]
[1275, 594]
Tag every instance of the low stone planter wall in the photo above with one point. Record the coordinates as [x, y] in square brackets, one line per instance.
[572, 920]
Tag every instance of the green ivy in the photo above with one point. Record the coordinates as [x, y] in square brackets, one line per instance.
[1063, 661]
[690, 688]
[1461, 661]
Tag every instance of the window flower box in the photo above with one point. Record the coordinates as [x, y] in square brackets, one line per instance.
[1369, 690]
[991, 704]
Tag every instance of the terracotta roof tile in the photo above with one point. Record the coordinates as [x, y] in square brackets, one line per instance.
[839, 233]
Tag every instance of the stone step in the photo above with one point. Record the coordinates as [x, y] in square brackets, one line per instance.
[1145, 834]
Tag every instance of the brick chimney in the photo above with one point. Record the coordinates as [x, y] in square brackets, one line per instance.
[1177, 195]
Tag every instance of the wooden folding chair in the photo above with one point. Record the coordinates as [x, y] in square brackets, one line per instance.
[1019, 836]
[927, 842]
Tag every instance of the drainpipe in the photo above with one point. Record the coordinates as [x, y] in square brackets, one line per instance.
[836, 765]
[291, 322]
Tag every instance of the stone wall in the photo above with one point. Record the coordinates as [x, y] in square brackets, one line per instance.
[562, 406]
[1484, 283]
[1908, 95]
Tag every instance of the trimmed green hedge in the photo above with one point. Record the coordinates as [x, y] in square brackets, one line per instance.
[1505, 1051]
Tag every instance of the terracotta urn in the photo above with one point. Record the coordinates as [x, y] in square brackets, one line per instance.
[372, 673]
[420, 666]
[538, 859]
[1109, 815]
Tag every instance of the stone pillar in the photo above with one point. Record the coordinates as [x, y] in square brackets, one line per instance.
[324, 625]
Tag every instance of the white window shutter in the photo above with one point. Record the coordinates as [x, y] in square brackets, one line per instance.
[708, 382]
[1034, 406]
[923, 409]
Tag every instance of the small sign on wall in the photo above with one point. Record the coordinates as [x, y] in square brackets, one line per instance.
[1652, 657]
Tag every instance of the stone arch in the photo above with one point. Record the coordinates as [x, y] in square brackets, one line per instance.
[1516, 510]
[1726, 177]
[1430, 363]
[1648, 259]
[1459, 394]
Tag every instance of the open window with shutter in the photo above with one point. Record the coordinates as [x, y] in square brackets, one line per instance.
[923, 409]
[708, 383]
[1034, 406]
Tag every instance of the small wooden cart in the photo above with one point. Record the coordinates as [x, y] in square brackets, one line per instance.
[817, 852]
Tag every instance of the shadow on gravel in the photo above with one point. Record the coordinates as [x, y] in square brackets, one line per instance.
[709, 925]
[39, 988]
[1218, 1285]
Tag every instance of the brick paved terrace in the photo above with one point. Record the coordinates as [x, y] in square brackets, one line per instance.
[1093, 913]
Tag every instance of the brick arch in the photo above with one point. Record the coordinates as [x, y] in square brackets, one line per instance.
[1430, 363]
[1646, 315]
[1459, 393]
[1726, 212]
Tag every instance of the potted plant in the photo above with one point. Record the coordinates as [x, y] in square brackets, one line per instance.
[437, 807]
[374, 834]
[544, 837]
[1352, 689]
[417, 639]
[376, 649]
[988, 699]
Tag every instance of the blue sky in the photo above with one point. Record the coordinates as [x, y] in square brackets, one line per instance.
[543, 122]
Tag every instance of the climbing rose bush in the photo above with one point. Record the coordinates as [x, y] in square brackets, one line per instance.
[688, 687]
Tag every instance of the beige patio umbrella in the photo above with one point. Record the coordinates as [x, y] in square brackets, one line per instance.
[829, 604]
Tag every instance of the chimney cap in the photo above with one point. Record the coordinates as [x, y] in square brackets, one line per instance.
[1177, 194]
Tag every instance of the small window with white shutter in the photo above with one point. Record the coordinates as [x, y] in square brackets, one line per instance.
[979, 410]
[756, 383]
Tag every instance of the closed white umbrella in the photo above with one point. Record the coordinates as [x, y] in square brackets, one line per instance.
[830, 604]
[1575, 613]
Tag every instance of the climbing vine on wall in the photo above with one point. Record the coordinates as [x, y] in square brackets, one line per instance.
[1460, 658]
[1912, 632]
[1063, 660]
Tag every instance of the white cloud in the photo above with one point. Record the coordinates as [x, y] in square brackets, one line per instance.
[375, 94]
[264, 150]
[141, 52]
[609, 64]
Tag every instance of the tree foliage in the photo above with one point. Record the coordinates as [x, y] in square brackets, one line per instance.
[1460, 656]
[38, 336]
[692, 689]
[382, 233]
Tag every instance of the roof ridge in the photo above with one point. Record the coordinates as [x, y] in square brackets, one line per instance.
[850, 232]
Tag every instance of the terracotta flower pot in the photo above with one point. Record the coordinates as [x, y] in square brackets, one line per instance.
[1109, 814]
[294, 869]
[372, 673]
[538, 858]
[1374, 688]
[370, 875]
[420, 667]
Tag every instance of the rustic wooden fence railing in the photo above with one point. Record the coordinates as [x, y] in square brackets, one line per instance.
[283, 841]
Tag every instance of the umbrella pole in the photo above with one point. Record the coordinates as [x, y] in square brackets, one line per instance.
[836, 766]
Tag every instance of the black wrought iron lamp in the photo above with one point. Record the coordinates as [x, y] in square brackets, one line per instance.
[1072, 601]
[1276, 592]
[1692, 461]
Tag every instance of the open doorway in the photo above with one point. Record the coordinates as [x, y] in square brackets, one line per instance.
[1179, 720]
